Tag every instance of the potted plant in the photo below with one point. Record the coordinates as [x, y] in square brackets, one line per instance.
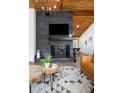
[46, 61]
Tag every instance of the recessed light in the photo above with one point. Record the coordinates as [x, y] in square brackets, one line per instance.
[36, 1]
[43, 7]
[57, 0]
[49, 8]
[54, 6]
[77, 26]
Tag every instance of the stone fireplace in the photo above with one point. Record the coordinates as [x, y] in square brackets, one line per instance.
[57, 46]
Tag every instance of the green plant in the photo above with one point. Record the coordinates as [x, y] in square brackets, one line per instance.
[46, 60]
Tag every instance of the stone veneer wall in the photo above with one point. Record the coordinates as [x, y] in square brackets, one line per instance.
[42, 28]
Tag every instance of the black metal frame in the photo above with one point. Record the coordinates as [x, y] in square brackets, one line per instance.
[51, 80]
[29, 88]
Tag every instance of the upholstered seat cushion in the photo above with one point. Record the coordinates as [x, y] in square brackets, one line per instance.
[35, 73]
[87, 66]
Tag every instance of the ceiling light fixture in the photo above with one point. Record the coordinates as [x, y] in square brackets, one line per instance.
[46, 5]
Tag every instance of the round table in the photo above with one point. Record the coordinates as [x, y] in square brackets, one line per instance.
[50, 71]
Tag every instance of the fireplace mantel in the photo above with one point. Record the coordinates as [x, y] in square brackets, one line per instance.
[60, 38]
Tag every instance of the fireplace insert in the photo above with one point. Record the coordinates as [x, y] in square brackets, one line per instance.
[60, 51]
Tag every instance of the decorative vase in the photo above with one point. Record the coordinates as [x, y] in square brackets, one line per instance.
[46, 65]
[38, 54]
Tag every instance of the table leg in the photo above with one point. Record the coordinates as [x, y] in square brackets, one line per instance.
[53, 77]
[44, 78]
[29, 88]
[51, 82]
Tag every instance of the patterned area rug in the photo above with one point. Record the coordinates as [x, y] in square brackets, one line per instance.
[67, 80]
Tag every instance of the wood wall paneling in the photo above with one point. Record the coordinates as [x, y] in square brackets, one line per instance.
[84, 22]
[75, 5]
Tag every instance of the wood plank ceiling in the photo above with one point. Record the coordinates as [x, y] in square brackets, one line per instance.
[83, 12]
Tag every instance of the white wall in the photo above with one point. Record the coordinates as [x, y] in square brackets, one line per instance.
[86, 38]
[32, 34]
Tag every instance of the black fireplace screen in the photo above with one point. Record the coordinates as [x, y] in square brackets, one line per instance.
[60, 51]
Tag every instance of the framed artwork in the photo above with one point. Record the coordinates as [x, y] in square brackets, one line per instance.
[85, 42]
[90, 39]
